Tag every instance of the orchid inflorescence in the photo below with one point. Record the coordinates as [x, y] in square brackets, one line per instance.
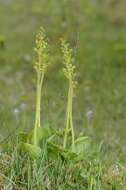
[42, 51]
[69, 69]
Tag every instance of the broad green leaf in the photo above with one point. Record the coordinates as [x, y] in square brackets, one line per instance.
[42, 133]
[56, 150]
[32, 150]
[80, 146]
[60, 133]
[23, 137]
[81, 139]
[69, 155]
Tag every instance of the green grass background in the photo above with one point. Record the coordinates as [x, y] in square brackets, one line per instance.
[96, 31]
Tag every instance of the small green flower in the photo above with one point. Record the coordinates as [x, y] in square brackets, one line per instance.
[42, 52]
[69, 69]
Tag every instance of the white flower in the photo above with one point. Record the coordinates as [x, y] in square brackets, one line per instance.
[90, 115]
[16, 111]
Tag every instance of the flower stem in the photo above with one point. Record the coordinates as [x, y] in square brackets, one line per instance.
[67, 120]
[71, 115]
[40, 77]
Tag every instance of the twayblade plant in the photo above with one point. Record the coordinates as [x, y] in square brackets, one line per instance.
[70, 74]
[78, 145]
[76, 148]
[40, 66]
[30, 142]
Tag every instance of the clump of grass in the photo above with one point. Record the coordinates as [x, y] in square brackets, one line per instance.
[24, 173]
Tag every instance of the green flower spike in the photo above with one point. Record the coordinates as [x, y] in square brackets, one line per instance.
[70, 74]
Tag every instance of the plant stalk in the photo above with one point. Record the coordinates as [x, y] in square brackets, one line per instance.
[69, 118]
[71, 114]
[40, 77]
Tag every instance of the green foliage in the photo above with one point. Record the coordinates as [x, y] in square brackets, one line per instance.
[80, 146]
[42, 133]
[31, 150]
[31, 142]
[75, 153]
[98, 29]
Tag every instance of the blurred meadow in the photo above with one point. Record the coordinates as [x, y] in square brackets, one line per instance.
[96, 30]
